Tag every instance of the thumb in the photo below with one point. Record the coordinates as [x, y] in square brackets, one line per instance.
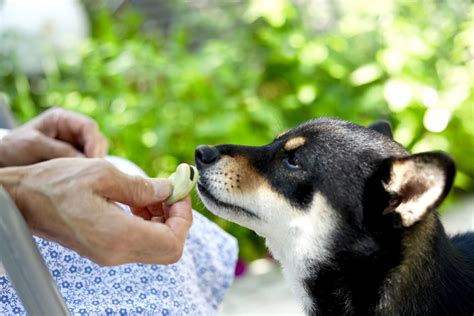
[135, 191]
[50, 148]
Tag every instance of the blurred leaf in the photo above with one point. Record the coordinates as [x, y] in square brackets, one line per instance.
[243, 72]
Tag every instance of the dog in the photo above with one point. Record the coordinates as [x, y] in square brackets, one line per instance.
[350, 215]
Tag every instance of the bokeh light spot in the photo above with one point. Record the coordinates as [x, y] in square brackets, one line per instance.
[429, 97]
[306, 94]
[436, 119]
[398, 95]
[149, 139]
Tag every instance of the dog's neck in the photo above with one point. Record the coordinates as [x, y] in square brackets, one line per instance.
[302, 243]
[432, 273]
[380, 285]
[292, 260]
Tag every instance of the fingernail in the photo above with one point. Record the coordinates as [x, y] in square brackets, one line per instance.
[163, 188]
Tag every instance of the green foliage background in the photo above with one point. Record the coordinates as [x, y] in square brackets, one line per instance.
[243, 72]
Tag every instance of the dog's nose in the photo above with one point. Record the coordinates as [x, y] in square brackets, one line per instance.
[206, 155]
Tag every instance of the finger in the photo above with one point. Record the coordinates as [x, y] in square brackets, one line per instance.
[97, 145]
[158, 219]
[180, 218]
[134, 191]
[104, 147]
[97, 150]
[141, 212]
[74, 128]
[156, 209]
[47, 148]
[85, 133]
[146, 241]
[148, 212]
[166, 210]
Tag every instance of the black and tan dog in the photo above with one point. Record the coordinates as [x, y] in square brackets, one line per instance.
[350, 215]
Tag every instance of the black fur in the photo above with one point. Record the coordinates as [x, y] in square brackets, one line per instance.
[349, 164]
[382, 127]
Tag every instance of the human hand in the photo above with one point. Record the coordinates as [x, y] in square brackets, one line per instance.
[55, 133]
[72, 201]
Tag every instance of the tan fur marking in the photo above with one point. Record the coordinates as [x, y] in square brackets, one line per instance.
[295, 143]
[282, 134]
[241, 176]
[419, 185]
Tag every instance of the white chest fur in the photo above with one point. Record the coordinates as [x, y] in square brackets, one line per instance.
[301, 240]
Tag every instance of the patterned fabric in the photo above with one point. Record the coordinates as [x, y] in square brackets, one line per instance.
[195, 285]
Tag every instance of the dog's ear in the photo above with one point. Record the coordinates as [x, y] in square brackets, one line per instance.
[383, 127]
[417, 184]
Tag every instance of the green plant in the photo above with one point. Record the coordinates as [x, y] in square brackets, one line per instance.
[158, 94]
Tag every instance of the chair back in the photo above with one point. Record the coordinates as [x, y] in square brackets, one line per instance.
[24, 264]
[6, 118]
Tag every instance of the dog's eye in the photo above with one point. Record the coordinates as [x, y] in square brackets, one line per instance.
[291, 161]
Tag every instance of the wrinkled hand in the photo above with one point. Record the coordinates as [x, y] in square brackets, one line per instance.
[55, 133]
[72, 201]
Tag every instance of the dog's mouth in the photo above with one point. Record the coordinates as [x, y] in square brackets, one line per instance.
[234, 208]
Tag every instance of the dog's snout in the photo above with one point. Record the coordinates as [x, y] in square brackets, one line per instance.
[206, 155]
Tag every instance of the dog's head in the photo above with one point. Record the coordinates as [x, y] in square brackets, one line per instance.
[323, 180]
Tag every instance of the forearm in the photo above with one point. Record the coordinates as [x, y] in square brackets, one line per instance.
[10, 179]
